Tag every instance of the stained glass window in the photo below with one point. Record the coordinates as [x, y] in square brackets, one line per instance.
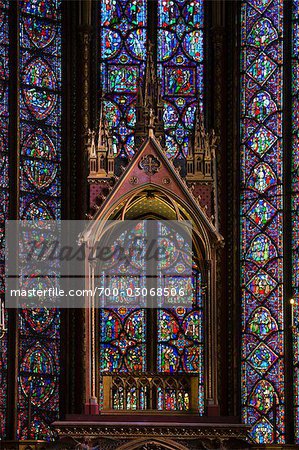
[295, 193]
[123, 331]
[180, 315]
[3, 193]
[40, 106]
[122, 62]
[180, 67]
[261, 219]
[40, 191]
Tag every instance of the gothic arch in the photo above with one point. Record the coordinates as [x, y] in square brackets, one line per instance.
[200, 227]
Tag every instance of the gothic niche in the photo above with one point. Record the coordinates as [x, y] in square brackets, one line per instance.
[152, 359]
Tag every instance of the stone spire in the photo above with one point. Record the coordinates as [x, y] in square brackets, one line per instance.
[149, 104]
[201, 150]
[150, 85]
[100, 149]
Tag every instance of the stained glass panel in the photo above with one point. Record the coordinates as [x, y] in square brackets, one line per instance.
[295, 210]
[261, 220]
[40, 198]
[123, 329]
[123, 334]
[180, 316]
[180, 67]
[122, 63]
[4, 74]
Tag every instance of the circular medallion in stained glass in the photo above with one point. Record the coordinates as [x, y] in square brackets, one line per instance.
[123, 58]
[180, 268]
[37, 375]
[122, 311]
[39, 165]
[39, 81]
[180, 102]
[180, 59]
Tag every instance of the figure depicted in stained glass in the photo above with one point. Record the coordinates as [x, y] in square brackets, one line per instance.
[169, 359]
[262, 323]
[262, 358]
[111, 328]
[261, 285]
[261, 250]
[262, 33]
[262, 178]
[262, 396]
[124, 338]
[262, 432]
[262, 212]
[179, 81]
[262, 106]
[118, 398]
[132, 398]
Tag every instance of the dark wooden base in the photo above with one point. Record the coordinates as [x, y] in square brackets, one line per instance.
[152, 432]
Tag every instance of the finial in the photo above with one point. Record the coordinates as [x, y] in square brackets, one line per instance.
[150, 47]
[151, 125]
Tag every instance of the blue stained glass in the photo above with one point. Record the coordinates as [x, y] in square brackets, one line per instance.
[180, 67]
[261, 219]
[295, 215]
[122, 341]
[123, 329]
[38, 80]
[122, 62]
[4, 77]
[40, 198]
[180, 328]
